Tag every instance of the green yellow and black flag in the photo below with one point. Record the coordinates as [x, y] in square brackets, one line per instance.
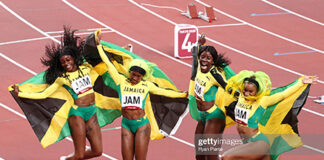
[279, 121]
[165, 114]
[48, 117]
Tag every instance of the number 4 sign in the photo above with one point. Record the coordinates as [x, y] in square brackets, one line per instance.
[185, 37]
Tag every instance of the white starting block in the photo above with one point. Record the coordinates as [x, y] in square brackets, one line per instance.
[191, 11]
[208, 16]
[185, 37]
[321, 100]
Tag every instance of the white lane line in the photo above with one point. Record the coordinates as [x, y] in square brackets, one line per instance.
[294, 13]
[310, 111]
[37, 29]
[224, 45]
[313, 148]
[42, 38]
[79, 30]
[222, 25]
[17, 64]
[264, 30]
[145, 4]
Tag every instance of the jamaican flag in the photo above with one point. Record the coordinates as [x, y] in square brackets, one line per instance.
[48, 117]
[279, 122]
[165, 114]
[222, 98]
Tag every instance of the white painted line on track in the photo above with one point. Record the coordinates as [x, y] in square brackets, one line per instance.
[17, 64]
[310, 111]
[313, 148]
[222, 25]
[145, 4]
[264, 30]
[79, 30]
[42, 38]
[294, 13]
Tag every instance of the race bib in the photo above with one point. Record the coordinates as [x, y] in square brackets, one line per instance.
[199, 90]
[132, 101]
[241, 115]
[81, 84]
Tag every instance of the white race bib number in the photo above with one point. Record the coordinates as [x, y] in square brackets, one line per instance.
[242, 115]
[82, 84]
[199, 89]
[132, 101]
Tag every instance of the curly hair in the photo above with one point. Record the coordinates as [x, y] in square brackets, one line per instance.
[69, 43]
[219, 59]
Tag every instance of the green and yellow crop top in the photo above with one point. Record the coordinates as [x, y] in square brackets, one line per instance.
[249, 113]
[206, 84]
[79, 81]
[134, 96]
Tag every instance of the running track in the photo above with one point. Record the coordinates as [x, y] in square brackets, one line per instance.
[291, 27]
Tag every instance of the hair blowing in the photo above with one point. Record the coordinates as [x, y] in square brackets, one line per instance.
[69, 42]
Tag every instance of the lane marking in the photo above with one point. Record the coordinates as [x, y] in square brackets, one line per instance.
[17, 64]
[294, 13]
[222, 25]
[151, 5]
[264, 30]
[79, 30]
[313, 148]
[108, 129]
[269, 14]
[42, 38]
[288, 53]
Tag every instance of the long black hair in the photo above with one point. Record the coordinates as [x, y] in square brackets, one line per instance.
[220, 61]
[69, 44]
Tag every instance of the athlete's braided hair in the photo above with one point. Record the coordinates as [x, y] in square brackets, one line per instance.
[71, 44]
[219, 59]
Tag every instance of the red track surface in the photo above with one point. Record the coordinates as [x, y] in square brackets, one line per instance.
[18, 140]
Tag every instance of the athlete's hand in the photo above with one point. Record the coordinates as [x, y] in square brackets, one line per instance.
[310, 79]
[15, 89]
[98, 36]
[202, 40]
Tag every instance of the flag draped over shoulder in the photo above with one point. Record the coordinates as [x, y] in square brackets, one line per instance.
[165, 114]
[279, 122]
[48, 117]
